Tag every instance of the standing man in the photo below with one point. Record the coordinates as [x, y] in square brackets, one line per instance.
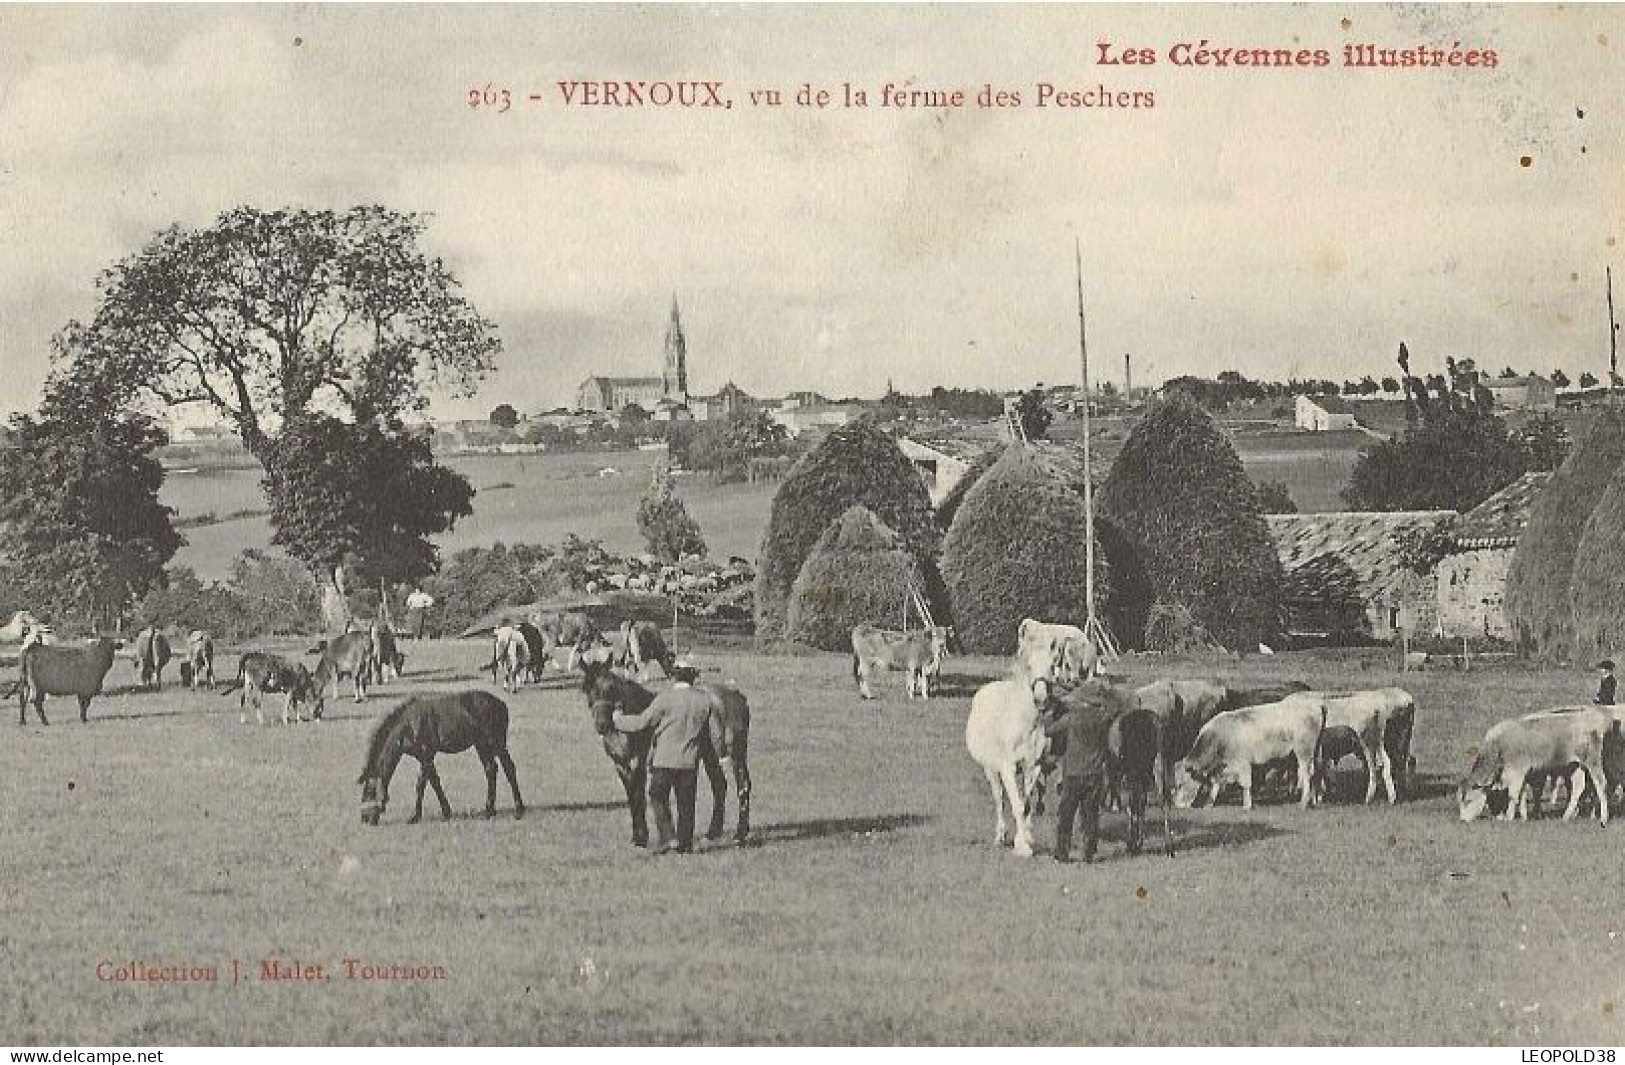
[682, 717]
[1605, 689]
[1083, 714]
[418, 605]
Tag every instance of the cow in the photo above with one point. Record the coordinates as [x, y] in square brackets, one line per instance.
[1233, 742]
[1376, 725]
[259, 674]
[1006, 738]
[510, 657]
[1056, 652]
[350, 656]
[918, 654]
[1569, 740]
[152, 654]
[46, 669]
[387, 660]
[198, 665]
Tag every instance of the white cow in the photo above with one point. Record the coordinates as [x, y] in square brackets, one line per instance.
[1369, 722]
[1564, 740]
[1055, 652]
[1006, 738]
[1229, 746]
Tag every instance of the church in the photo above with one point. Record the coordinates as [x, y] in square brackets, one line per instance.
[661, 396]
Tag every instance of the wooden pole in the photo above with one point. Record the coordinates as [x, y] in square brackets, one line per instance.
[1613, 336]
[1088, 466]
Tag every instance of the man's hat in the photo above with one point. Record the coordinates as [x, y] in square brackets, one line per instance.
[1607, 663]
[687, 662]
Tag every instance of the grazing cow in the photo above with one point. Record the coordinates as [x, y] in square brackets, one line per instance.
[198, 665]
[510, 657]
[1229, 746]
[350, 656]
[1055, 652]
[1376, 725]
[918, 654]
[1006, 738]
[259, 674]
[56, 670]
[1567, 740]
[387, 659]
[152, 654]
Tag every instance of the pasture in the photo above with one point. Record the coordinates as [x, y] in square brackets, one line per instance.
[538, 499]
[874, 909]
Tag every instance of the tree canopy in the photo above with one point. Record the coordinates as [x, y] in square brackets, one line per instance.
[358, 492]
[82, 531]
[267, 315]
[1179, 495]
[667, 528]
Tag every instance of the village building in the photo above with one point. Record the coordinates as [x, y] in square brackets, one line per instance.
[799, 420]
[657, 395]
[729, 403]
[1471, 579]
[1533, 392]
[1345, 578]
[1324, 414]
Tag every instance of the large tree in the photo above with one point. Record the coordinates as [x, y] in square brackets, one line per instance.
[362, 495]
[1179, 495]
[299, 328]
[267, 315]
[82, 532]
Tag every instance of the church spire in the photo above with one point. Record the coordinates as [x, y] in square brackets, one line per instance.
[675, 376]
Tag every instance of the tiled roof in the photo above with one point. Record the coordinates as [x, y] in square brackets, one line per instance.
[1500, 519]
[1346, 557]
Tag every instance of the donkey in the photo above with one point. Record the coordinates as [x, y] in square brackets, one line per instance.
[608, 691]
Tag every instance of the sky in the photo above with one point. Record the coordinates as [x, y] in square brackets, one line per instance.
[1274, 221]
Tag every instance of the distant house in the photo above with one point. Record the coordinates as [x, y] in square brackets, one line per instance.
[606, 395]
[942, 464]
[1533, 392]
[1344, 576]
[1324, 414]
[729, 403]
[1471, 579]
[826, 416]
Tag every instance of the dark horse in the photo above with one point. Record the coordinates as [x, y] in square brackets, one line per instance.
[426, 725]
[608, 691]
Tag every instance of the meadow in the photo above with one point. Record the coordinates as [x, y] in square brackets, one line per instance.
[873, 908]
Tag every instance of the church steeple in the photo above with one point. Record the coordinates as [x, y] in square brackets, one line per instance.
[675, 377]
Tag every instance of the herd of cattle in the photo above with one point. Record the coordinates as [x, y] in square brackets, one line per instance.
[1186, 739]
[1181, 739]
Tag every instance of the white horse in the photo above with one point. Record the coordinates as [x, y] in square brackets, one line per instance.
[1006, 738]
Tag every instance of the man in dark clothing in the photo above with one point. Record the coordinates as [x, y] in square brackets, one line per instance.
[1605, 690]
[1082, 717]
[682, 717]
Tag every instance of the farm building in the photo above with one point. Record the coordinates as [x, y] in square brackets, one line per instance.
[1472, 578]
[1533, 392]
[943, 463]
[1321, 414]
[1345, 578]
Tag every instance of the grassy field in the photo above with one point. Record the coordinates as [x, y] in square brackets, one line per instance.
[537, 499]
[874, 910]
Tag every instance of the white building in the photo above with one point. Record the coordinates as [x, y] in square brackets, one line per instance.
[1321, 414]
